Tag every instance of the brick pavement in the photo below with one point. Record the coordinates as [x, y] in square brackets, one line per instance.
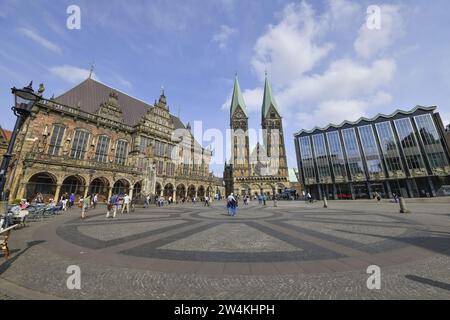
[293, 251]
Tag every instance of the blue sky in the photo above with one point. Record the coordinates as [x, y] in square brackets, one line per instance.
[324, 64]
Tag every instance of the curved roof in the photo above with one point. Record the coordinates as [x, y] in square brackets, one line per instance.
[380, 115]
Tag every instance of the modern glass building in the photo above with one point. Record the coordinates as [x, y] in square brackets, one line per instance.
[404, 153]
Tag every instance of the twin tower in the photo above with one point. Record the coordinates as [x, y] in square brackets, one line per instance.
[262, 170]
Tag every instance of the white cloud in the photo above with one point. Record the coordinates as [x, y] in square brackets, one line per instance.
[71, 74]
[223, 36]
[310, 90]
[289, 49]
[40, 40]
[370, 42]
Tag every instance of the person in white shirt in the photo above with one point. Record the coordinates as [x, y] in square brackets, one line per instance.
[126, 203]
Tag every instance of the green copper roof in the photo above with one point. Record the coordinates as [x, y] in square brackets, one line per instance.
[238, 99]
[269, 100]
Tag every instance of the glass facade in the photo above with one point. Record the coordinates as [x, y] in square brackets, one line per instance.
[336, 156]
[307, 160]
[355, 163]
[320, 153]
[371, 154]
[403, 154]
[410, 147]
[432, 144]
[389, 149]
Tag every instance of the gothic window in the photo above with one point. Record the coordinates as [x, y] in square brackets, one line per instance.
[101, 152]
[55, 141]
[121, 152]
[79, 144]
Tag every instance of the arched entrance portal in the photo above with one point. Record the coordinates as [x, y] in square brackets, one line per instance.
[157, 189]
[43, 183]
[181, 192]
[73, 184]
[201, 192]
[100, 186]
[191, 191]
[168, 191]
[121, 187]
[137, 192]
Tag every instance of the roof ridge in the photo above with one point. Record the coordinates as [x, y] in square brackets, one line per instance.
[376, 117]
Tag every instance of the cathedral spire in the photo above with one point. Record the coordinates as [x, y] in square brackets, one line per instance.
[237, 100]
[269, 100]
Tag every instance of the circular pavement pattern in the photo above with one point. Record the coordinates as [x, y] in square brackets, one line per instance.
[259, 240]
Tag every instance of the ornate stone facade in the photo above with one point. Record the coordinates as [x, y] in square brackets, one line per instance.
[95, 139]
[264, 169]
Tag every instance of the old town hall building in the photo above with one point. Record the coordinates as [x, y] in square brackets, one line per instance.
[96, 139]
[262, 170]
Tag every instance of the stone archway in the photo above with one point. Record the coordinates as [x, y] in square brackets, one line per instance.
[158, 189]
[168, 190]
[245, 190]
[73, 184]
[137, 191]
[100, 185]
[280, 188]
[201, 192]
[121, 187]
[43, 183]
[191, 191]
[181, 192]
[256, 189]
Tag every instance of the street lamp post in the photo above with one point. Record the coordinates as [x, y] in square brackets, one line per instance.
[24, 100]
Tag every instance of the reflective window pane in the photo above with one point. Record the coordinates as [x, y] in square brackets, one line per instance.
[307, 160]
[432, 143]
[371, 154]
[410, 147]
[389, 149]
[354, 157]
[320, 152]
[336, 156]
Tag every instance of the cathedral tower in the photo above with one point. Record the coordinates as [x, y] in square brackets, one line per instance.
[272, 125]
[240, 142]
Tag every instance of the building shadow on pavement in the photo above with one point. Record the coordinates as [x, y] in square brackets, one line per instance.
[431, 241]
[433, 283]
[5, 265]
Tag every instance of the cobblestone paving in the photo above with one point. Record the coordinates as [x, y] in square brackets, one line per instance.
[293, 251]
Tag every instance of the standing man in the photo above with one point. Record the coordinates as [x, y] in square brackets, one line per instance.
[113, 205]
[71, 200]
[95, 200]
[126, 203]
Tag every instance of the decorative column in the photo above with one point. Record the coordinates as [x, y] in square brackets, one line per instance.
[58, 189]
[21, 192]
[109, 193]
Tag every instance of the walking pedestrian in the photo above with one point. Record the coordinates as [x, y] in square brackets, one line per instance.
[85, 202]
[126, 203]
[71, 200]
[94, 200]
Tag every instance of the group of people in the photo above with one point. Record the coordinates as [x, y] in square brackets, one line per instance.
[85, 203]
[118, 203]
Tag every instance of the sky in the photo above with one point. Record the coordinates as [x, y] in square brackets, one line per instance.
[324, 62]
